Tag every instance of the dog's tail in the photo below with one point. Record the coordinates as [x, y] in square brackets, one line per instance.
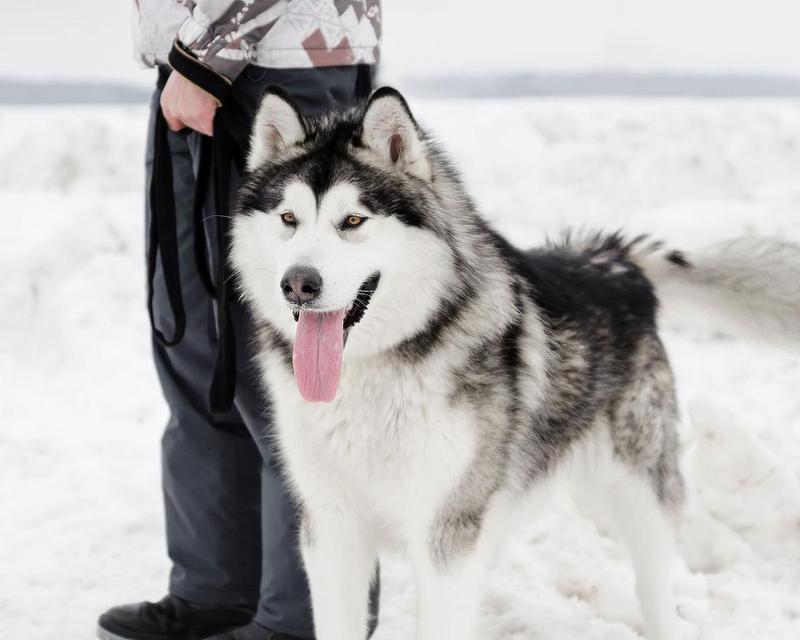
[751, 284]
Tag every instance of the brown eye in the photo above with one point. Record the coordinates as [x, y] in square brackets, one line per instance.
[353, 220]
[288, 218]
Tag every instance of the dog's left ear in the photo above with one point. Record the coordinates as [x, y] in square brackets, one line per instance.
[390, 131]
[278, 125]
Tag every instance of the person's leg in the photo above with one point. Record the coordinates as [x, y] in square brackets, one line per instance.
[211, 467]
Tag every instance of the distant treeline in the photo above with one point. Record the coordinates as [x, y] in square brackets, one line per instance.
[607, 84]
[500, 85]
[13, 91]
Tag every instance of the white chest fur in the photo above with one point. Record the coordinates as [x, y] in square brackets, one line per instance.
[392, 443]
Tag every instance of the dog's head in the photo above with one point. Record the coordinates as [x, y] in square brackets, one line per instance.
[338, 233]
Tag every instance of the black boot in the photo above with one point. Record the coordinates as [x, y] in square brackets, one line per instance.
[169, 619]
[252, 631]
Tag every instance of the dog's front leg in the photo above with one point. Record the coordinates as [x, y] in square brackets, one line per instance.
[339, 556]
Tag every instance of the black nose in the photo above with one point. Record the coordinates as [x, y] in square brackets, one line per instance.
[301, 284]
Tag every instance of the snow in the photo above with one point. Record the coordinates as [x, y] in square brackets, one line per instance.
[82, 525]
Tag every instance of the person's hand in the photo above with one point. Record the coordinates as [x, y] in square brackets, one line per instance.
[186, 105]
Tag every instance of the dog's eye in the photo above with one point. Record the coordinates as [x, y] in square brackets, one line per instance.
[353, 220]
[289, 219]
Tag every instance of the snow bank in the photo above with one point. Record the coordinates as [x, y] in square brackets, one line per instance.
[79, 486]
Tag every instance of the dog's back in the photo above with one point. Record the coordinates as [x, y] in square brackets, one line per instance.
[606, 367]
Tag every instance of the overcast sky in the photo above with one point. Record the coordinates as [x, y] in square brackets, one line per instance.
[90, 39]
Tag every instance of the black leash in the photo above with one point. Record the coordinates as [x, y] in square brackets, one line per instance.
[198, 218]
[217, 158]
[225, 154]
[164, 236]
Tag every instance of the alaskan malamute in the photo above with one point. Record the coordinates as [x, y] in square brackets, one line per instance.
[426, 376]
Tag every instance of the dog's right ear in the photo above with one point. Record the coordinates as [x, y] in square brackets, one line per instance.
[278, 125]
[391, 132]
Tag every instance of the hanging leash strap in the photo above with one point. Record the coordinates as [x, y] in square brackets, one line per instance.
[164, 236]
[198, 217]
[217, 158]
[227, 153]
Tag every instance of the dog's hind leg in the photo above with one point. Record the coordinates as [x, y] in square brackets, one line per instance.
[640, 477]
[638, 505]
[644, 525]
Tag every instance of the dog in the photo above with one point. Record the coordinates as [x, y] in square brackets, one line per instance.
[428, 379]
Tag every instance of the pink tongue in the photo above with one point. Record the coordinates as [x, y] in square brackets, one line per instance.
[317, 356]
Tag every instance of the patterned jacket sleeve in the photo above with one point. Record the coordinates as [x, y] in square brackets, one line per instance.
[219, 33]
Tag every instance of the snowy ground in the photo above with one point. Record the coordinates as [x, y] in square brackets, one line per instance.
[79, 479]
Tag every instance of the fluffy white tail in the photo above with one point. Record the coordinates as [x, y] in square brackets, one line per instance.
[751, 285]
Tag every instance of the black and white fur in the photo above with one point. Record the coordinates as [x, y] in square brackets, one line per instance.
[478, 375]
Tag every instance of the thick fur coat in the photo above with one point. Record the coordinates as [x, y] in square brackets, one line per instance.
[469, 375]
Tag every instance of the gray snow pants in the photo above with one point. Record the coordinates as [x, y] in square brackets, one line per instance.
[231, 526]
